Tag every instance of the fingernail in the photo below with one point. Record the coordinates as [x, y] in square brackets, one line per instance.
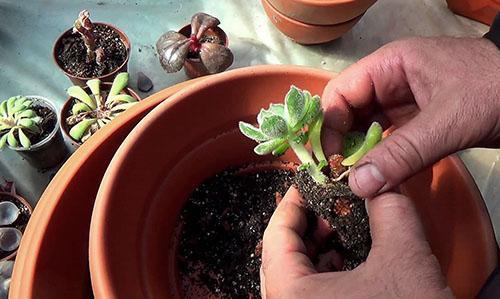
[368, 178]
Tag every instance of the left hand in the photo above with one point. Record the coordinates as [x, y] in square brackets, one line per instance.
[400, 263]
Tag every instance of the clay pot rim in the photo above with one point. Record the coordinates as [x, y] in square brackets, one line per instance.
[125, 40]
[30, 209]
[51, 106]
[217, 29]
[66, 106]
[308, 26]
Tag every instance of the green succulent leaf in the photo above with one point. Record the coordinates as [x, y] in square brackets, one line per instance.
[268, 146]
[121, 98]
[3, 109]
[119, 83]
[78, 130]
[280, 150]
[22, 101]
[3, 141]
[80, 94]
[322, 164]
[19, 108]
[352, 142]
[11, 139]
[263, 114]
[27, 123]
[373, 136]
[26, 114]
[122, 107]
[37, 119]
[95, 86]
[25, 142]
[80, 107]
[252, 132]
[295, 106]
[10, 104]
[274, 126]
[277, 109]
[313, 110]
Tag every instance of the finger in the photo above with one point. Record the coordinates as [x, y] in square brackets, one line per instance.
[284, 252]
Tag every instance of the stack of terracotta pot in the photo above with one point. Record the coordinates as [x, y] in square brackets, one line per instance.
[315, 21]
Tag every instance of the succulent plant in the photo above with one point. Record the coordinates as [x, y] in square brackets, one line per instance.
[18, 122]
[90, 112]
[84, 26]
[174, 48]
[297, 122]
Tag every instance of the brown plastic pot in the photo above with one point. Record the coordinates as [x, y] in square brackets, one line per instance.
[193, 67]
[483, 11]
[54, 247]
[66, 111]
[13, 198]
[49, 151]
[307, 34]
[105, 78]
[133, 229]
[322, 12]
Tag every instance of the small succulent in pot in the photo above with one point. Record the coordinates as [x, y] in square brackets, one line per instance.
[174, 48]
[90, 112]
[84, 27]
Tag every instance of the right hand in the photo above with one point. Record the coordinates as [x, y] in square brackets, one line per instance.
[441, 94]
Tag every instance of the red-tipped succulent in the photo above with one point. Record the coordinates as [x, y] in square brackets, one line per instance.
[174, 48]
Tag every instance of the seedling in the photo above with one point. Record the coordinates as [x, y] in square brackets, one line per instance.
[174, 48]
[90, 112]
[83, 25]
[18, 122]
[297, 122]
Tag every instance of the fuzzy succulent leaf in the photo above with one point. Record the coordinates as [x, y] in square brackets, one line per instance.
[313, 110]
[119, 83]
[252, 132]
[200, 22]
[80, 107]
[274, 126]
[3, 141]
[95, 86]
[268, 146]
[262, 115]
[295, 106]
[280, 150]
[277, 109]
[11, 139]
[80, 94]
[216, 58]
[78, 130]
[25, 142]
[373, 136]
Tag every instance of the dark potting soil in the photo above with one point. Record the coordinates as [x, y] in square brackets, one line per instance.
[47, 126]
[223, 223]
[21, 221]
[72, 53]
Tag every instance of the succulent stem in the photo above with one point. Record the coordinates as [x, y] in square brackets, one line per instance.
[306, 159]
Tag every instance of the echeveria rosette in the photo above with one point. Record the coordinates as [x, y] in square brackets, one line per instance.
[18, 121]
[298, 121]
[173, 48]
[90, 112]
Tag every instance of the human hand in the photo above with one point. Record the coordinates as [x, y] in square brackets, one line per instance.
[442, 95]
[400, 263]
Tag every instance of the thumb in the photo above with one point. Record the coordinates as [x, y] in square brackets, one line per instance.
[419, 143]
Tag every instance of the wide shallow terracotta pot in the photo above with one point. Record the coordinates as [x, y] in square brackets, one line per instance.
[52, 261]
[106, 77]
[65, 111]
[133, 229]
[322, 12]
[307, 34]
[483, 11]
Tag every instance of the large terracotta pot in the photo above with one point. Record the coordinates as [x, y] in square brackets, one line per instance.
[322, 12]
[106, 77]
[307, 34]
[52, 261]
[483, 11]
[133, 236]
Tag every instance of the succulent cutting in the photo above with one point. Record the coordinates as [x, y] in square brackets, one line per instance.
[18, 122]
[83, 25]
[174, 48]
[90, 112]
[299, 121]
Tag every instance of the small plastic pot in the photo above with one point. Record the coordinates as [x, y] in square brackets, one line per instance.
[15, 198]
[193, 67]
[51, 150]
[66, 111]
[105, 78]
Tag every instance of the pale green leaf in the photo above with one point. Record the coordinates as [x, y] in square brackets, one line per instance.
[95, 86]
[268, 146]
[119, 83]
[121, 98]
[295, 106]
[263, 114]
[80, 107]
[25, 142]
[280, 150]
[78, 130]
[80, 94]
[26, 114]
[3, 141]
[11, 139]
[274, 126]
[373, 136]
[3, 109]
[252, 132]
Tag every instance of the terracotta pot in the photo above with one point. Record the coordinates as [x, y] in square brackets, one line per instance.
[322, 12]
[61, 220]
[483, 11]
[66, 111]
[193, 67]
[132, 238]
[20, 199]
[105, 78]
[49, 151]
[303, 33]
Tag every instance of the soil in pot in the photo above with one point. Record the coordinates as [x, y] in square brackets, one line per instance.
[224, 219]
[72, 53]
[12, 219]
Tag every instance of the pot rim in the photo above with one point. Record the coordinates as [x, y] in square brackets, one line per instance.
[47, 139]
[123, 37]
[66, 106]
